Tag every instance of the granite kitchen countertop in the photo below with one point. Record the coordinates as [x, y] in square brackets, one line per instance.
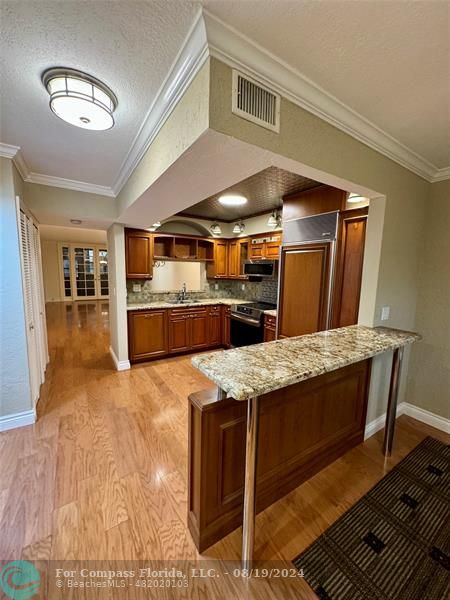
[271, 313]
[204, 302]
[254, 370]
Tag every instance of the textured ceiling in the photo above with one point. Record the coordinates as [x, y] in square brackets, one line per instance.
[389, 61]
[263, 191]
[128, 45]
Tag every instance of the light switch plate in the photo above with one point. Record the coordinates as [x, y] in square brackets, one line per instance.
[385, 313]
[243, 287]
[216, 286]
[136, 287]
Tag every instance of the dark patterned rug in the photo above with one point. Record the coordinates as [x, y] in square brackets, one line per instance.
[395, 542]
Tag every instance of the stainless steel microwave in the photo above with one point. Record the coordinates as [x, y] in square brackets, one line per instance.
[260, 268]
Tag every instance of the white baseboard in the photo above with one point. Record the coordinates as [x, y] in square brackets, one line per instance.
[121, 365]
[404, 408]
[425, 416]
[27, 417]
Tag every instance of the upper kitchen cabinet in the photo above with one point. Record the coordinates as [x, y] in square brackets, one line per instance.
[320, 199]
[221, 258]
[138, 254]
[349, 265]
[265, 247]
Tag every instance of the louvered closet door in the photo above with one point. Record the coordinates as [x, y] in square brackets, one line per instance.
[38, 314]
[32, 341]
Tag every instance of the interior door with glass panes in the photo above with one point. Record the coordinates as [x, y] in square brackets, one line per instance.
[89, 273]
[102, 273]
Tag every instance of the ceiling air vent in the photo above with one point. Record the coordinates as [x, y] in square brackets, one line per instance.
[255, 102]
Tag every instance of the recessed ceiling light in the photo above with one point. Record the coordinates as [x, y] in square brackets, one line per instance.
[232, 200]
[76, 221]
[354, 197]
[157, 224]
[80, 99]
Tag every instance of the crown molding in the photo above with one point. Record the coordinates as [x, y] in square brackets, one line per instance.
[191, 57]
[70, 184]
[209, 36]
[441, 175]
[8, 151]
[238, 51]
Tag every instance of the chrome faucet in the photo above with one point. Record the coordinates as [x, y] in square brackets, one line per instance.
[183, 293]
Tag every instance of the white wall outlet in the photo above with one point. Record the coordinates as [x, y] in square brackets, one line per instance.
[136, 287]
[243, 286]
[216, 286]
[385, 313]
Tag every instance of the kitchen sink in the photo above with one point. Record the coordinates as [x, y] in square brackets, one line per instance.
[186, 301]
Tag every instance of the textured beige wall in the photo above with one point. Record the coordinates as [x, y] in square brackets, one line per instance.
[52, 205]
[117, 292]
[188, 120]
[429, 373]
[308, 140]
[15, 393]
[50, 270]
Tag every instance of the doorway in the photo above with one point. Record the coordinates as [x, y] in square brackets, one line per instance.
[84, 271]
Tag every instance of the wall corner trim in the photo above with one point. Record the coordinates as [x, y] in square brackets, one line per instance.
[20, 419]
[405, 408]
[121, 365]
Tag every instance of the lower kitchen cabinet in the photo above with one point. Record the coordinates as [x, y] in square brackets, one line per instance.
[147, 334]
[199, 325]
[226, 337]
[215, 326]
[154, 333]
[178, 333]
[270, 328]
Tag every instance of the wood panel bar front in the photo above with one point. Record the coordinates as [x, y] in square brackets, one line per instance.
[302, 428]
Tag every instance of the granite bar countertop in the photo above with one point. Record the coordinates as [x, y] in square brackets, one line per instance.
[255, 370]
[204, 302]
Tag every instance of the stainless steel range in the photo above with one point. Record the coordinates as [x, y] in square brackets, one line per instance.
[247, 323]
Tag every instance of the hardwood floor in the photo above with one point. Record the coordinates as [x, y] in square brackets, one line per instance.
[103, 472]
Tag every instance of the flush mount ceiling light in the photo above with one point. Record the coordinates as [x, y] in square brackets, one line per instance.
[80, 99]
[232, 200]
[238, 227]
[354, 197]
[216, 229]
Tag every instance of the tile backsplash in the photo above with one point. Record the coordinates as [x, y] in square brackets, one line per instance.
[266, 291]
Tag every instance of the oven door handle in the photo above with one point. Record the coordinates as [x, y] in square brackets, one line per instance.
[252, 322]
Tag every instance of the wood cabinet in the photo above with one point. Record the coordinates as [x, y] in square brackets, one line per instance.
[157, 332]
[233, 258]
[147, 334]
[215, 326]
[226, 336]
[304, 289]
[270, 328]
[138, 254]
[142, 248]
[268, 249]
[188, 329]
[199, 334]
[320, 199]
[349, 265]
[300, 432]
[220, 266]
[179, 332]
